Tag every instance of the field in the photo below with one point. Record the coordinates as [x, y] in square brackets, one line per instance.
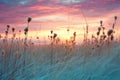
[96, 58]
[59, 62]
[59, 39]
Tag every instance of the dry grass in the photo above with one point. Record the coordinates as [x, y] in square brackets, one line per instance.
[20, 59]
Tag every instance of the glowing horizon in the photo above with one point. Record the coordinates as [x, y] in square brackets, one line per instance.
[58, 15]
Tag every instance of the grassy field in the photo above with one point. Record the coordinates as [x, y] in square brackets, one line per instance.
[94, 59]
[59, 62]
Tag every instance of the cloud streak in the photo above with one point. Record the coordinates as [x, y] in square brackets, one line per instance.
[56, 11]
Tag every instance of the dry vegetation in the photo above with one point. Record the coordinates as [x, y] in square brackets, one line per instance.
[95, 59]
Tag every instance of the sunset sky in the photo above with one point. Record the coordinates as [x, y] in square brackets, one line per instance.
[58, 15]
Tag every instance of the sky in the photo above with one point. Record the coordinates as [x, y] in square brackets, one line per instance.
[58, 15]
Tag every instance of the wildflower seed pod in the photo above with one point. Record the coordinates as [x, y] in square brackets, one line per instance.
[25, 33]
[29, 19]
[8, 26]
[19, 31]
[98, 45]
[98, 33]
[14, 35]
[103, 33]
[51, 37]
[6, 32]
[92, 36]
[51, 31]
[37, 37]
[26, 29]
[101, 22]
[109, 32]
[103, 28]
[68, 30]
[115, 17]
[55, 35]
[74, 34]
[0, 36]
[13, 29]
[99, 29]
[104, 36]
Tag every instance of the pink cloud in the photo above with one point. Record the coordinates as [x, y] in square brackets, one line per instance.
[93, 10]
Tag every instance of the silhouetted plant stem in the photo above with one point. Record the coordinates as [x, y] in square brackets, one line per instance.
[52, 54]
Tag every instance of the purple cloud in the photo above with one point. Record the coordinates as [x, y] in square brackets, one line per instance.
[16, 11]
